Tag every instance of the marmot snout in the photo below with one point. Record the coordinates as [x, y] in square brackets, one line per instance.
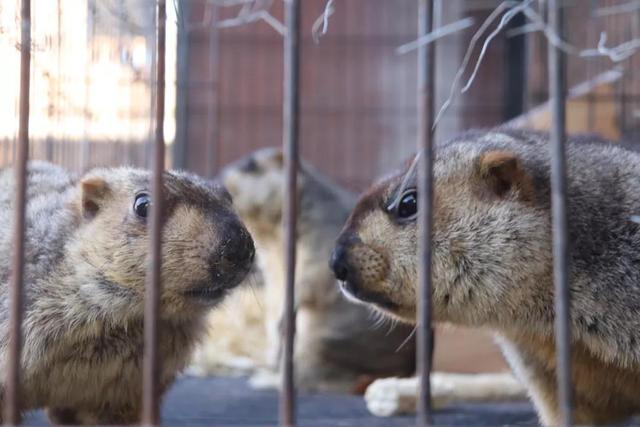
[86, 262]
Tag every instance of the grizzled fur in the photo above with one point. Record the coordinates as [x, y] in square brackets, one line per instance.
[492, 260]
[86, 260]
[337, 344]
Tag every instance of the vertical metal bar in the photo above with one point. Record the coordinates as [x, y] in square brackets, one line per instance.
[557, 91]
[150, 400]
[515, 69]
[291, 100]
[52, 136]
[182, 89]
[12, 382]
[592, 36]
[426, 98]
[6, 145]
[150, 142]
[212, 134]
[85, 148]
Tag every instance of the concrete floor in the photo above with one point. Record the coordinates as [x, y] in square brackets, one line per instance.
[230, 402]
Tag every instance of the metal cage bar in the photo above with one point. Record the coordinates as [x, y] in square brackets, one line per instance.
[213, 109]
[12, 385]
[182, 86]
[557, 92]
[516, 70]
[426, 99]
[291, 108]
[150, 399]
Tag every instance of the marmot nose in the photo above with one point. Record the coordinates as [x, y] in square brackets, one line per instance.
[239, 250]
[339, 264]
[233, 260]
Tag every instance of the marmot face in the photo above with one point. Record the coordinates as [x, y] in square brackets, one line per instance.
[206, 250]
[256, 183]
[488, 236]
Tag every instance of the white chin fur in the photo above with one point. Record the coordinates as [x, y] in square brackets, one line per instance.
[348, 295]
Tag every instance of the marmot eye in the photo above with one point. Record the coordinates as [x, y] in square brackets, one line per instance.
[141, 205]
[408, 204]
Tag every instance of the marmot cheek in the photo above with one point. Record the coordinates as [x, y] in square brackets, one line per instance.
[371, 265]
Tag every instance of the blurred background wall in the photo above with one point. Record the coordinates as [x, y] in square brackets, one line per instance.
[93, 67]
[359, 96]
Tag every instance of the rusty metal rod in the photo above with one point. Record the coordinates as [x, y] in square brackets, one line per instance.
[213, 110]
[290, 132]
[12, 381]
[183, 87]
[151, 394]
[153, 102]
[557, 92]
[426, 95]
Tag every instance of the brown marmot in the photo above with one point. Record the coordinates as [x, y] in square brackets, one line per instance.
[85, 266]
[337, 343]
[492, 260]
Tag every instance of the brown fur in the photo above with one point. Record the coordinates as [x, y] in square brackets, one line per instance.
[492, 261]
[86, 263]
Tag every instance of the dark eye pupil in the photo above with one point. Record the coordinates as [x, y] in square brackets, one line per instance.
[141, 205]
[408, 205]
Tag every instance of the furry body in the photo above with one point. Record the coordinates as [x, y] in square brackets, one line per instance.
[492, 260]
[86, 260]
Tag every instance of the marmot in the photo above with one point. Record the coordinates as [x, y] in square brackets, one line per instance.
[337, 344]
[85, 266]
[492, 260]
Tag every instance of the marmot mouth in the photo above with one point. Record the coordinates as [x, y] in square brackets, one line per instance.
[353, 292]
[206, 293]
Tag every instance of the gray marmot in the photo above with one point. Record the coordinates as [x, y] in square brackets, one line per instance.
[338, 346]
[492, 260]
[86, 261]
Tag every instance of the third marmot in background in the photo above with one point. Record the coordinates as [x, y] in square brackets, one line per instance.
[492, 260]
[337, 343]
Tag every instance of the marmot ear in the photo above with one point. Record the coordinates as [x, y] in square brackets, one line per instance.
[92, 192]
[502, 171]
